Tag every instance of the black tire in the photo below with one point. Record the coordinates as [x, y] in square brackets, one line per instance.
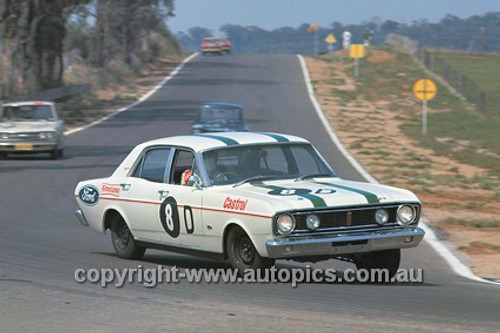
[123, 240]
[3, 155]
[54, 154]
[387, 259]
[60, 152]
[242, 253]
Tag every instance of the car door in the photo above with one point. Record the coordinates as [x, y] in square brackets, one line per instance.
[180, 211]
[143, 192]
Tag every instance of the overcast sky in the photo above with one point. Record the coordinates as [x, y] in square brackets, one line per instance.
[271, 14]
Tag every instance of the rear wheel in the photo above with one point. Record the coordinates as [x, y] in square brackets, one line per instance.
[387, 259]
[123, 240]
[242, 253]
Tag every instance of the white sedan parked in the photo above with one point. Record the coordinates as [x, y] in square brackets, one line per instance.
[250, 198]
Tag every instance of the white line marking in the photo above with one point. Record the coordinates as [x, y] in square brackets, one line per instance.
[140, 100]
[430, 237]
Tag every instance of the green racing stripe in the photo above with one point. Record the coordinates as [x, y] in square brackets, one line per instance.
[227, 141]
[277, 137]
[314, 199]
[370, 197]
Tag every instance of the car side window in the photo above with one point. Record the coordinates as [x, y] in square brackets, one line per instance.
[183, 161]
[153, 165]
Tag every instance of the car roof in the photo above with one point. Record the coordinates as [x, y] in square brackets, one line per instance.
[221, 106]
[28, 103]
[200, 142]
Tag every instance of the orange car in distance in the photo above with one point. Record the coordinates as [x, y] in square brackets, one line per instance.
[211, 45]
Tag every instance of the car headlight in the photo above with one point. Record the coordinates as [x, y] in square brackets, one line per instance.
[381, 216]
[4, 136]
[313, 222]
[285, 223]
[406, 215]
[46, 135]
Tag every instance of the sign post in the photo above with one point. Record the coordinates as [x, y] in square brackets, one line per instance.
[424, 90]
[314, 29]
[330, 40]
[356, 51]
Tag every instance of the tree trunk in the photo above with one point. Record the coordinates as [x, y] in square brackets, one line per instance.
[99, 50]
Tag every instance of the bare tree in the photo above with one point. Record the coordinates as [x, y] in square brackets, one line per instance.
[33, 33]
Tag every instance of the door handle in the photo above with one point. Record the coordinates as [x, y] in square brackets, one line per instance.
[163, 194]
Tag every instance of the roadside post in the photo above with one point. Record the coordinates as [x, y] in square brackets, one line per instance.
[356, 51]
[314, 29]
[424, 90]
[330, 40]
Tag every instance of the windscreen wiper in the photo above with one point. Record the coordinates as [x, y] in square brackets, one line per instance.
[254, 178]
[312, 175]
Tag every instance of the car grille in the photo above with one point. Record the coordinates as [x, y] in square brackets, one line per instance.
[24, 136]
[347, 219]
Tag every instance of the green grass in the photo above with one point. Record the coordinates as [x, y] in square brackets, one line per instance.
[449, 116]
[482, 68]
[473, 223]
[481, 245]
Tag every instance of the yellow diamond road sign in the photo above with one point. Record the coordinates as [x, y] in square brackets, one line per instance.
[424, 89]
[330, 39]
[357, 51]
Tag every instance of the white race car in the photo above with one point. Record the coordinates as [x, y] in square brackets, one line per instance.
[250, 198]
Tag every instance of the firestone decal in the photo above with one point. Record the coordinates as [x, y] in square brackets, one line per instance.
[235, 204]
[89, 195]
[110, 189]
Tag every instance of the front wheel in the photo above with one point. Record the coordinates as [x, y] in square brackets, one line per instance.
[123, 240]
[387, 259]
[242, 253]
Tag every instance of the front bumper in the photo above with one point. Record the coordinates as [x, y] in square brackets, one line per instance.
[26, 147]
[339, 244]
[81, 218]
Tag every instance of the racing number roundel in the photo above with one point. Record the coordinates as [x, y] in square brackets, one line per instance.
[169, 216]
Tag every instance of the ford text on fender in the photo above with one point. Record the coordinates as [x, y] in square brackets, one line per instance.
[250, 198]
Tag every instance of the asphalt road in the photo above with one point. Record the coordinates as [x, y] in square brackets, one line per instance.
[42, 244]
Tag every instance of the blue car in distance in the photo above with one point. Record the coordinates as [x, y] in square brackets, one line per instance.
[219, 117]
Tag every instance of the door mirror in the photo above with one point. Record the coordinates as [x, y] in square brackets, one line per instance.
[194, 180]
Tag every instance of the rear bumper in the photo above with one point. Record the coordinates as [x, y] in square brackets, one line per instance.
[338, 244]
[81, 218]
[212, 50]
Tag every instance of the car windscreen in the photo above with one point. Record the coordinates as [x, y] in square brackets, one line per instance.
[214, 115]
[27, 112]
[278, 161]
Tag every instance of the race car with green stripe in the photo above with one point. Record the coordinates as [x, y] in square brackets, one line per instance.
[250, 198]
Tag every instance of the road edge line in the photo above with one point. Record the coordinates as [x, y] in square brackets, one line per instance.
[140, 100]
[451, 259]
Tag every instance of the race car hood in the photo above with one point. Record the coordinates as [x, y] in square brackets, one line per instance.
[319, 193]
[28, 126]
